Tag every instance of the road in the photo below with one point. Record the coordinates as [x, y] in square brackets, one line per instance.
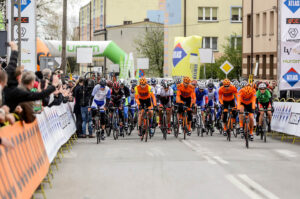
[208, 167]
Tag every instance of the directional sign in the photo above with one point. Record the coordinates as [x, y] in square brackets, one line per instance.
[24, 4]
[226, 67]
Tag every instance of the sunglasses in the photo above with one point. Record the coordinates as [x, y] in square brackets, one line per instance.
[226, 86]
[262, 89]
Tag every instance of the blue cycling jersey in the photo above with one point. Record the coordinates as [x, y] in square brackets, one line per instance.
[200, 97]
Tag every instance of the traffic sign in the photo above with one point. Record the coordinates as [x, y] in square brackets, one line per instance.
[24, 4]
[226, 67]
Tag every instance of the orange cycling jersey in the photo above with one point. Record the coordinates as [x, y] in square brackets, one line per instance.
[227, 94]
[243, 98]
[144, 94]
[186, 92]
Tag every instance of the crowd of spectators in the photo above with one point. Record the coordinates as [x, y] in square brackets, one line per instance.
[23, 94]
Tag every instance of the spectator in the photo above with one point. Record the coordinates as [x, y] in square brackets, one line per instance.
[85, 95]
[58, 97]
[77, 110]
[15, 95]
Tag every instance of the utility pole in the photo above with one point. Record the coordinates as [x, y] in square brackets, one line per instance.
[16, 23]
[251, 61]
[105, 38]
[64, 38]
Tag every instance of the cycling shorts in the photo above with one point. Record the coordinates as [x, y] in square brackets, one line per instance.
[248, 107]
[227, 104]
[146, 103]
[265, 106]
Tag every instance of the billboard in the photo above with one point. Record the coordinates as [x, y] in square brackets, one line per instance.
[290, 45]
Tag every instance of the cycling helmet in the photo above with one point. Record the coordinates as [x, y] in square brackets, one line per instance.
[262, 86]
[186, 80]
[210, 86]
[133, 81]
[143, 81]
[164, 84]
[243, 84]
[153, 81]
[103, 82]
[226, 82]
[133, 85]
[210, 81]
[178, 81]
[236, 83]
[116, 86]
[248, 90]
[202, 86]
[122, 82]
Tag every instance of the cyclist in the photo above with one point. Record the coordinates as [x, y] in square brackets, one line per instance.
[164, 98]
[145, 98]
[243, 84]
[186, 96]
[211, 100]
[237, 85]
[154, 85]
[195, 83]
[174, 87]
[246, 102]
[101, 97]
[200, 93]
[126, 91]
[264, 102]
[132, 104]
[227, 96]
[117, 100]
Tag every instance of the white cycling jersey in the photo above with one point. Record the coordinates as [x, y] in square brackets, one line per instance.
[100, 96]
[165, 96]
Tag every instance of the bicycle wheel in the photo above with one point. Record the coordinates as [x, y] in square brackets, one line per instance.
[115, 127]
[164, 128]
[228, 129]
[234, 132]
[210, 125]
[246, 135]
[265, 130]
[147, 130]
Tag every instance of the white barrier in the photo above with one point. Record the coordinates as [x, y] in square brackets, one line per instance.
[286, 118]
[56, 125]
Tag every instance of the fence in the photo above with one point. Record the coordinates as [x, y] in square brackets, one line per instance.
[286, 119]
[24, 167]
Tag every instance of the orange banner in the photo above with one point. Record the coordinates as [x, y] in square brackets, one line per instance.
[22, 168]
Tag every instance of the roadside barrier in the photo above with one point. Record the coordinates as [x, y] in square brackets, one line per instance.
[24, 167]
[286, 120]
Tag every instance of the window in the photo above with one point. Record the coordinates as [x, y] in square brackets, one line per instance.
[257, 24]
[236, 42]
[272, 23]
[210, 42]
[248, 25]
[264, 65]
[264, 25]
[207, 14]
[236, 14]
[271, 66]
[257, 62]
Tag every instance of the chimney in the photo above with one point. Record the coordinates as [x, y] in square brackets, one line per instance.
[146, 20]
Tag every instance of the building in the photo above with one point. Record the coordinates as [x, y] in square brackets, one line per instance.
[215, 21]
[124, 36]
[265, 33]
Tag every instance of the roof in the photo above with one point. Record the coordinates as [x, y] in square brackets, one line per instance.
[130, 25]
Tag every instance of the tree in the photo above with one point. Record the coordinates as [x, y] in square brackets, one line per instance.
[233, 54]
[151, 45]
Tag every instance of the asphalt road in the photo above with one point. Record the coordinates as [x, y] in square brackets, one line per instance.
[208, 167]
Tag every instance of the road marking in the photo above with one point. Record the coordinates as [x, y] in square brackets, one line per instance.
[189, 145]
[209, 160]
[221, 160]
[158, 151]
[243, 187]
[258, 187]
[287, 153]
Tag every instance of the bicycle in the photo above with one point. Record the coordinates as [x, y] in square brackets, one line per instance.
[199, 123]
[175, 120]
[246, 125]
[263, 133]
[132, 120]
[183, 123]
[97, 125]
[115, 122]
[208, 121]
[229, 125]
[164, 125]
[154, 123]
[145, 128]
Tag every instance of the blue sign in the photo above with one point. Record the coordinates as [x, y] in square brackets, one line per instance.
[292, 77]
[293, 5]
[24, 4]
[178, 54]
